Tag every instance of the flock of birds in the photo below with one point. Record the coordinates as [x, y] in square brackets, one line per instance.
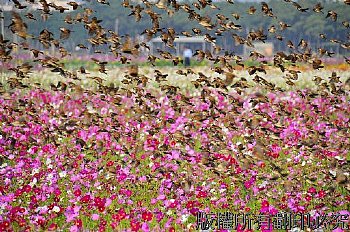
[225, 62]
[122, 47]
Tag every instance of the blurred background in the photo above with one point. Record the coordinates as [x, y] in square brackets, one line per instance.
[305, 25]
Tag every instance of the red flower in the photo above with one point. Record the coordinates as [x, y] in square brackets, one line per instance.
[18, 192]
[201, 194]
[21, 222]
[37, 190]
[311, 190]
[308, 198]
[5, 224]
[52, 227]
[120, 215]
[347, 198]
[40, 222]
[115, 217]
[238, 170]
[114, 225]
[45, 148]
[78, 223]
[77, 192]
[265, 204]
[122, 177]
[85, 199]
[194, 211]
[224, 206]
[27, 188]
[103, 222]
[233, 161]
[135, 226]
[110, 163]
[99, 202]
[57, 192]
[190, 204]
[262, 165]
[113, 197]
[173, 204]
[147, 216]
[321, 194]
[283, 206]
[75, 165]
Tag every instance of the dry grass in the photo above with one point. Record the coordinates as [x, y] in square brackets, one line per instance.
[45, 78]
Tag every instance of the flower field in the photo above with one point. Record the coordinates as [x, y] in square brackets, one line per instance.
[142, 159]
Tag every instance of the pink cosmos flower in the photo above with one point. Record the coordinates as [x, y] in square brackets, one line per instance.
[95, 217]
[145, 227]
[175, 154]
[74, 229]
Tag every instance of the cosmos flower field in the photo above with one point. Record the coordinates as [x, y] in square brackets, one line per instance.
[104, 129]
[150, 160]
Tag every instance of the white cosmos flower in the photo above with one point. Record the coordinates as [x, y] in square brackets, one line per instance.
[56, 209]
[50, 176]
[184, 217]
[63, 174]
[4, 165]
[263, 184]
[35, 171]
[34, 181]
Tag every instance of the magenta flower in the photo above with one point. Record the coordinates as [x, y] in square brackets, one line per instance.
[95, 217]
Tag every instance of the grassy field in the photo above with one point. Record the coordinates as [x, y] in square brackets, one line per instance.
[116, 75]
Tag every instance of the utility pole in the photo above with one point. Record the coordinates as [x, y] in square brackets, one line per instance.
[2, 23]
[2, 18]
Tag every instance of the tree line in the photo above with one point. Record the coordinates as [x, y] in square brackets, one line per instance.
[304, 25]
